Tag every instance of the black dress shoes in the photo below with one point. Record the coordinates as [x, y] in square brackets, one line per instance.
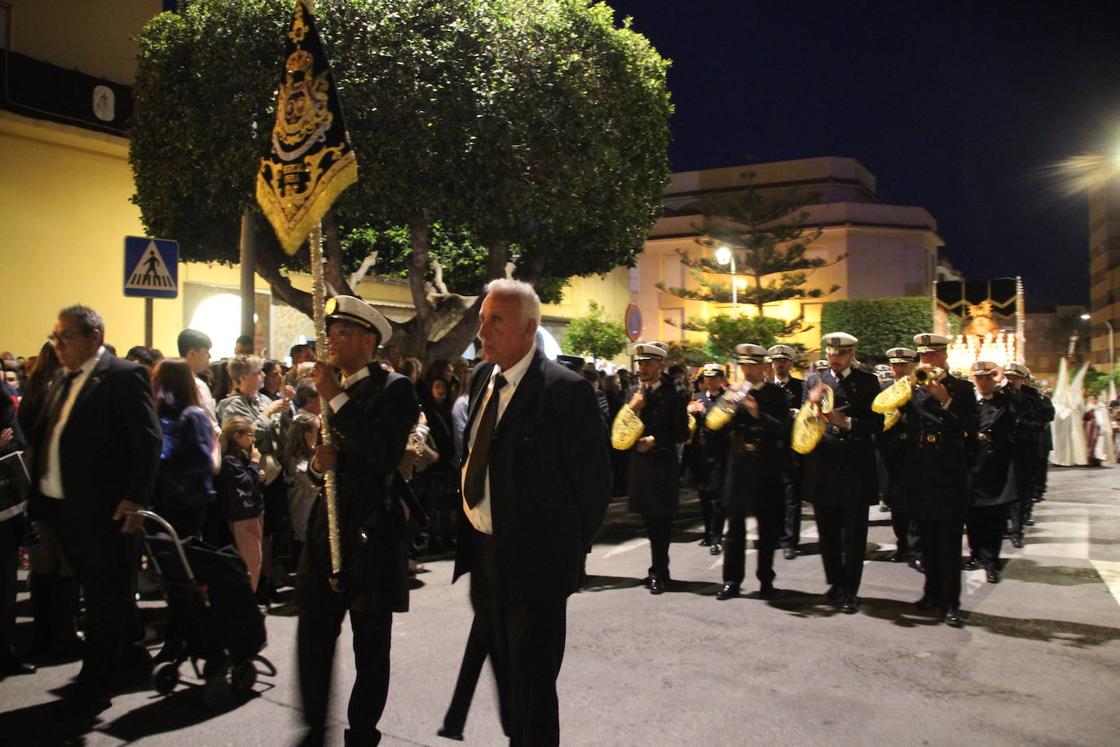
[916, 564]
[450, 734]
[926, 603]
[850, 605]
[834, 594]
[1028, 522]
[1017, 541]
[705, 542]
[13, 665]
[953, 617]
[715, 549]
[894, 557]
[727, 591]
[972, 564]
[656, 585]
[767, 591]
[993, 575]
[790, 553]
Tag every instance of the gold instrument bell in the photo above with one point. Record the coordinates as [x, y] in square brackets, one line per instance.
[898, 394]
[724, 408]
[808, 427]
[627, 429]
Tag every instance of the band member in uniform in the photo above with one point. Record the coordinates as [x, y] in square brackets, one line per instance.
[892, 444]
[1033, 416]
[759, 432]
[654, 467]
[371, 414]
[709, 452]
[781, 359]
[839, 476]
[939, 418]
[992, 481]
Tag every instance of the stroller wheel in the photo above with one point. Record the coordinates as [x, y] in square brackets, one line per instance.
[242, 677]
[216, 692]
[165, 677]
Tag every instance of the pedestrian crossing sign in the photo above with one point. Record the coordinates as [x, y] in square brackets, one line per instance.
[151, 267]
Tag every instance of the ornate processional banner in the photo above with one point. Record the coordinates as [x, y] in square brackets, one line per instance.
[310, 160]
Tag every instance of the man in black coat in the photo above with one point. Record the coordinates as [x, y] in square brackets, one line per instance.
[781, 359]
[1034, 414]
[940, 420]
[708, 454]
[371, 412]
[759, 431]
[992, 480]
[535, 487]
[654, 465]
[892, 451]
[839, 477]
[96, 446]
[13, 504]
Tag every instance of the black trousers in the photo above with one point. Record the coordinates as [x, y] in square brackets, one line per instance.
[10, 536]
[105, 560]
[986, 524]
[843, 539]
[320, 620]
[941, 559]
[770, 521]
[475, 654]
[791, 532]
[905, 534]
[711, 508]
[659, 529]
[527, 648]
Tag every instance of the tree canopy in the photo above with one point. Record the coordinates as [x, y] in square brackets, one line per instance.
[486, 131]
[592, 335]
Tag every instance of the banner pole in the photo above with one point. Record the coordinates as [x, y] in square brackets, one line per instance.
[318, 294]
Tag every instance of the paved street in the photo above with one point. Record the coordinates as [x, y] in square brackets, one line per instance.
[1037, 663]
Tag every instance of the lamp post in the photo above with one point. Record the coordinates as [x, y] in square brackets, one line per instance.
[1111, 337]
[725, 256]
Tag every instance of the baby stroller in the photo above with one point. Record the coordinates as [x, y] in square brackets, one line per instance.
[221, 624]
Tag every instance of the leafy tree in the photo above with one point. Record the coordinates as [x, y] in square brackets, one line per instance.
[487, 132]
[592, 335]
[766, 230]
[725, 332]
[879, 323]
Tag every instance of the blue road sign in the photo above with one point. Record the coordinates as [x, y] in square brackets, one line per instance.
[151, 267]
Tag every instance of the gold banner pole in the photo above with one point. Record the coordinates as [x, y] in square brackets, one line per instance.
[318, 297]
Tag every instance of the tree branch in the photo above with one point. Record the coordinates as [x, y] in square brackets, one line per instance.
[332, 268]
[420, 237]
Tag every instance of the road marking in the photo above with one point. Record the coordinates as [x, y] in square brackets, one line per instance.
[1109, 571]
[1073, 526]
[625, 547]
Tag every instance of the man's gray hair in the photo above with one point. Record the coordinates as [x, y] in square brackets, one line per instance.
[528, 301]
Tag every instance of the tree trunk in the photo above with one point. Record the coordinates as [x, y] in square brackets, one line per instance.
[332, 269]
[420, 237]
[269, 258]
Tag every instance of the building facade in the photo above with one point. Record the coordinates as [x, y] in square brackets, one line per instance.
[1104, 271]
[891, 250]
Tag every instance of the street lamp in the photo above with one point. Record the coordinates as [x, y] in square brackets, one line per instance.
[725, 256]
[1111, 347]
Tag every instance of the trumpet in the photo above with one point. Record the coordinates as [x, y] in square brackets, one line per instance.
[898, 394]
[923, 376]
[724, 408]
[808, 427]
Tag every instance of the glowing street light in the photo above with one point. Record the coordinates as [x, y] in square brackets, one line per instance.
[725, 256]
[1111, 347]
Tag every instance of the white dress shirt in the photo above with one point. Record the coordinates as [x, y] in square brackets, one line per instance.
[340, 399]
[480, 515]
[50, 483]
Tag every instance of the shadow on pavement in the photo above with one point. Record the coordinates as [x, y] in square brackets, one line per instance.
[179, 710]
[44, 723]
[1077, 635]
[1029, 571]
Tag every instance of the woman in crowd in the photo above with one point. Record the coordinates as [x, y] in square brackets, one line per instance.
[273, 374]
[436, 486]
[240, 500]
[302, 489]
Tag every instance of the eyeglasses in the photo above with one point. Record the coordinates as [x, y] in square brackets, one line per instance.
[57, 337]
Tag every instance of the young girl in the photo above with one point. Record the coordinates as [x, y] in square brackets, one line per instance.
[239, 492]
[302, 490]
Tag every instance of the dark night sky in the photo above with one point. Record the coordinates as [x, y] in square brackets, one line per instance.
[953, 106]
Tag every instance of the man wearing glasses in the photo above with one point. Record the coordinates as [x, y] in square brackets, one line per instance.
[95, 452]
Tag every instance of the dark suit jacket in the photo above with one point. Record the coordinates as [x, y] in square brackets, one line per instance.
[109, 448]
[654, 476]
[841, 471]
[992, 479]
[370, 432]
[549, 482]
[756, 453]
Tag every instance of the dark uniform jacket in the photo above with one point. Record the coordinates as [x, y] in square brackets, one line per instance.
[654, 476]
[709, 448]
[794, 389]
[549, 483]
[935, 467]
[755, 454]
[993, 452]
[370, 433]
[1033, 415]
[892, 451]
[841, 470]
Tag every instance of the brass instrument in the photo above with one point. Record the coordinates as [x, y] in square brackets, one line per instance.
[724, 408]
[627, 429]
[923, 375]
[898, 394]
[808, 425]
[890, 419]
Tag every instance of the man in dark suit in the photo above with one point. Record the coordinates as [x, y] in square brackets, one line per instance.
[940, 420]
[654, 464]
[840, 478]
[758, 432]
[892, 450]
[1034, 414]
[371, 412]
[535, 485]
[708, 454]
[781, 360]
[96, 446]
